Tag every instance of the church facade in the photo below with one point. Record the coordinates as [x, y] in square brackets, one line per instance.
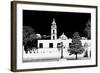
[55, 41]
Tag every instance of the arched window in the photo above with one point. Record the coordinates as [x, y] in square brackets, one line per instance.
[53, 37]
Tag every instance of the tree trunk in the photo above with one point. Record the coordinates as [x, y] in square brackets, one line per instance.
[76, 56]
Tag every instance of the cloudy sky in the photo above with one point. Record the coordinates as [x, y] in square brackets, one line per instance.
[66, 22]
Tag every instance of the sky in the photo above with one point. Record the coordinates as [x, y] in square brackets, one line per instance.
[66, 22]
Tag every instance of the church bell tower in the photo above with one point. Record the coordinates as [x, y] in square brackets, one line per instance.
[53, 30]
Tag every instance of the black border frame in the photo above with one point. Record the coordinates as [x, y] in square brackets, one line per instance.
[14, 35]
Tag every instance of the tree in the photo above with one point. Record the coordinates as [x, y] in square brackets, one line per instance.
[88, 29]
[33, 39]
[29, 37]
[27, 31]
[76, 46]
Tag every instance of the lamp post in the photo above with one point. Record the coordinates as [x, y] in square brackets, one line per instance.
[61, 50]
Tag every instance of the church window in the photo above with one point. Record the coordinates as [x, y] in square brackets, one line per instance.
[41, 45]
[53, 31]
[53, 37]
[50, 45]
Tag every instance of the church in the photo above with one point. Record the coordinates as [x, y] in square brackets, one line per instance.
[55, 41]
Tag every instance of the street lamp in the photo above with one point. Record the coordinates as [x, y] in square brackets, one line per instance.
[61, 50]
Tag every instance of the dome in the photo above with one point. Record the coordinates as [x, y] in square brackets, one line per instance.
[63, 37]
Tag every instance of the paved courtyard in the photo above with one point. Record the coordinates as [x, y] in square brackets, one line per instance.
[49, 55]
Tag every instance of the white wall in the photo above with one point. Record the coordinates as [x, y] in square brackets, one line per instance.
[5, 37]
